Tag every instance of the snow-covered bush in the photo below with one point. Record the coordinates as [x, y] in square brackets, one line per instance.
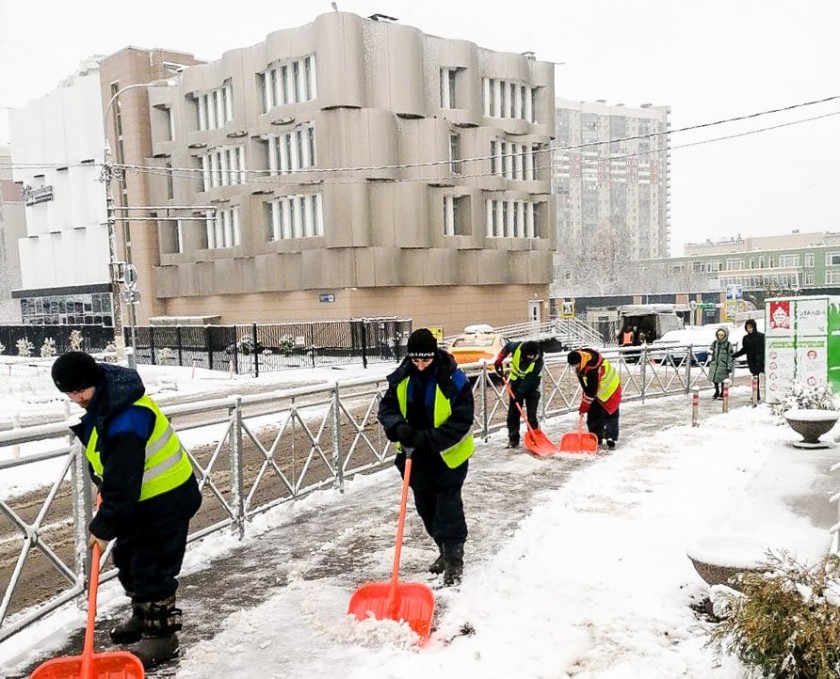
[785, 622]
[801, 397]
[165, 356]
[286, 345]
[75, 340]
[48, 348]
[24, 347]
[110, 352]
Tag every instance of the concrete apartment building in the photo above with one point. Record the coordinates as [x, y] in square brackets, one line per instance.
[353, 167]
[611, 182]
[11, 228]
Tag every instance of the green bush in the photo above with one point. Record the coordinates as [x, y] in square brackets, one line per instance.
[785, 622]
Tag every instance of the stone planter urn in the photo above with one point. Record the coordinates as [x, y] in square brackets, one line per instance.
[720, 557]
[811, 424]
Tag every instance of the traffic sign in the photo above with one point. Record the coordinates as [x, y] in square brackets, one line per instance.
[734, 291]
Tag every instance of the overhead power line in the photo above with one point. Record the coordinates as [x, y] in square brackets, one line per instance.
[257, 175]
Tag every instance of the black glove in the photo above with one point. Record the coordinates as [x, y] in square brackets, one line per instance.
[422, 442]
[500, 370]
[404, 434]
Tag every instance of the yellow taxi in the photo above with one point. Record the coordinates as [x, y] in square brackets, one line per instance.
[473, 347]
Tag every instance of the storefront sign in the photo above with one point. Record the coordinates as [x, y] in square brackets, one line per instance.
[32, 195]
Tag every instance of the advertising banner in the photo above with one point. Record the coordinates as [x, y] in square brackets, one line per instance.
[779, 366]
[811, 358]
[811, 317]
[833, 357]
[780, 318]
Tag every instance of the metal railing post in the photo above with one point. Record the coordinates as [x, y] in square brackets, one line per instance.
[688, 361]
[643, 359]
[338, 484]
[485, 420]
[236, 468]
[82, 513]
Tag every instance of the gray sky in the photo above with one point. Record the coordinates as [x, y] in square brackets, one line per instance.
[708, 60]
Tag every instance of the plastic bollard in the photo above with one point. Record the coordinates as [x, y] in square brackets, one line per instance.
[695, 408]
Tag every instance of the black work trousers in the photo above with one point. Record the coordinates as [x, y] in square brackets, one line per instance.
[149, 559]
[437, 496]
[601, 423]
[532, 400]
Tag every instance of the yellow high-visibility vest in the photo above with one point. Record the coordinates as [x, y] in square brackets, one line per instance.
[167, 464]
[515, 371]
[456, 455]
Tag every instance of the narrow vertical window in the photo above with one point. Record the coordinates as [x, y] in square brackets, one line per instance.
[455, 153]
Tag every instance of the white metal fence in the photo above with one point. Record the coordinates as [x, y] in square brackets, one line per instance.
[251, 453]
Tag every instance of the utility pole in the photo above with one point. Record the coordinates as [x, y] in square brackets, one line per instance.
[114, 265]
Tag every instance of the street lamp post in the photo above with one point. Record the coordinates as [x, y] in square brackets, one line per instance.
[121, 271]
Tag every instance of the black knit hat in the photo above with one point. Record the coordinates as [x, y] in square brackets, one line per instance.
[574, 358]
[530, 349]
[75, 371]
[421, 344]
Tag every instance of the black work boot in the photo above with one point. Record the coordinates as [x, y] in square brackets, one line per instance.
[513, 442]
[438, 565]
[453, 558]
[161, 621]
[131, 629]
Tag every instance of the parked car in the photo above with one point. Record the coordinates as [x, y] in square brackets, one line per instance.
[700, 337]
[472, 347]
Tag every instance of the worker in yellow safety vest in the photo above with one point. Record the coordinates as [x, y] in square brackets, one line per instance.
[148, 495]
[601, 397]
[429, 408]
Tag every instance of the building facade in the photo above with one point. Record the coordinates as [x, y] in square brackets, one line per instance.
[353, 167]
[57, 145]
[12, 227]
[729, 276]
[611, 182]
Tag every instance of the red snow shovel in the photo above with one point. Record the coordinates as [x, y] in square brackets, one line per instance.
[411, 602]
[90, 665]
[579, 441]
[536, 441]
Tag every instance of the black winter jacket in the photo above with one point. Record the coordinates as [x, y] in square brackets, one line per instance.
[753, 346]
[530, 382]
[453, 384]
[123, 430]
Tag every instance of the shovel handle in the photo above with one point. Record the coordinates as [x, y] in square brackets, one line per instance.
[87, 652]
[395, 571]
[519, 407]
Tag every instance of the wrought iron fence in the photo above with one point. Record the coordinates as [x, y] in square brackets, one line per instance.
[94, 338]
[256, 347]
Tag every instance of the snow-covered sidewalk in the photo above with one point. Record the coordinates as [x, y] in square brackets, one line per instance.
[576, 565]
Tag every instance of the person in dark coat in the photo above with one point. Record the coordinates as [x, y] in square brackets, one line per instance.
[525, 376]
[721, 362]
[601, 397]
[753, 347]
[429, 408]
[148, 495]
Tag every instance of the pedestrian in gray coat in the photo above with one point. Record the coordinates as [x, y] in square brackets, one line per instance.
[721, 361]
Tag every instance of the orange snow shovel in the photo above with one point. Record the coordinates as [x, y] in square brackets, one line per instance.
[90, 665]
[579, 441]
[410, 602]
[536, 441]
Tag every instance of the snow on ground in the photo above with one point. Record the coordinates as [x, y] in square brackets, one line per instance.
[593, 583]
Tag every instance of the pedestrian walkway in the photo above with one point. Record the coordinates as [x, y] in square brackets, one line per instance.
[314, 541]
